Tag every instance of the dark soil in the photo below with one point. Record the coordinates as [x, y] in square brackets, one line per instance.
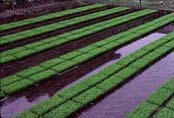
[10, 14]
[50, 21]
[15, 66]
[57, 32]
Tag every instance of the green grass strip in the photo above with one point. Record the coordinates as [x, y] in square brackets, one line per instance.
[89, 89]
[153, 103]
[170, 104]
[60, 64]
[164, 113]
[42, 45]
[58, 25]
[49, 16]
[160, 96]
[169, 84]
[143, 110]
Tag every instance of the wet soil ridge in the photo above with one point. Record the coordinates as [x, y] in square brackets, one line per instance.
[160, 104]
[42, 18]
[28, 61]
[58, 65]
[66, 37]
[66, 102]
[55, 26]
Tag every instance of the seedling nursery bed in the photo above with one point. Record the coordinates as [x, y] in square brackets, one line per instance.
[90, 61]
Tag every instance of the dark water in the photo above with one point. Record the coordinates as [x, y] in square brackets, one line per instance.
[168, 28]
[112, 106]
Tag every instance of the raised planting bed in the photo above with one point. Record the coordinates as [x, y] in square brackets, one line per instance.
[49, 16]
[69, 60]
[59, 25]
[42, 45]
[69, 63]
[86, 91]
[160, 104]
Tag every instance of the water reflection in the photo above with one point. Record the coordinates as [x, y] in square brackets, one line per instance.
[122, 101]
[9, 110]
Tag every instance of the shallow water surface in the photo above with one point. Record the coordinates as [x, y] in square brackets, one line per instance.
[15, 105]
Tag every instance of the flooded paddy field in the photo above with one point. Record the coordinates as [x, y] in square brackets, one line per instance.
[88, 57]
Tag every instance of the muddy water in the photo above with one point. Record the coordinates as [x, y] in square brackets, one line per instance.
[49, 87]
[15, 107]
[26, 101]
[127, 50]
[168, 28]
[124, 100]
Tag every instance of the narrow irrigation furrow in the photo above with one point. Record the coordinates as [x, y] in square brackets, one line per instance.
[49, 16]
[52, 67]
[42, 45]
[59, 25]
[159, 104]
[12, 67]
[72, 99]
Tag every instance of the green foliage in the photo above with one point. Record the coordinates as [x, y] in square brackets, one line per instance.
[126, 60]
[164, 113]
[127, 72]
[7, 58]
[140, 64]
[27, 114]
[55, 26]
[30, 71]
[88, 96]
[16, 86]
[94, 28]
[63, 66]
[50, 63]
[47, 105]
[81, 58]
[92, 87]
[144, 110]
[72, 91]
[110, 83]
[170, 104]
[160, 96]
[169, 84]
[10, 79]
[2, 94]
[64, 110]
[42, 75]
[49, 16]
[71, 55]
